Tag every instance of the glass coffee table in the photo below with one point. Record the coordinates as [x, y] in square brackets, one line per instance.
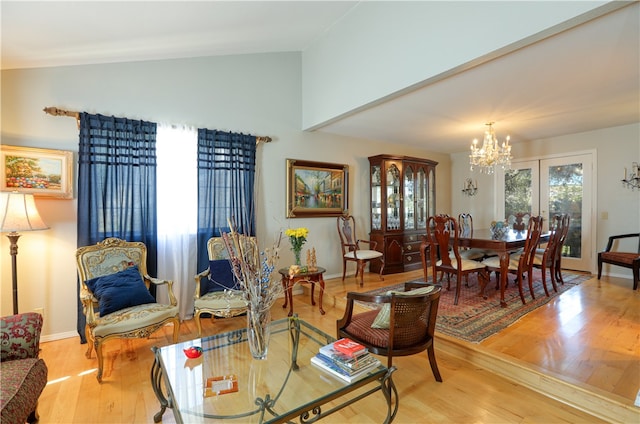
[226, 383]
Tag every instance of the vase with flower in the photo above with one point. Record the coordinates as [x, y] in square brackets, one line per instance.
[297, 238]
[253, 268]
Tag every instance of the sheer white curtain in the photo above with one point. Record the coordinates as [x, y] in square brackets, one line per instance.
[177, 191]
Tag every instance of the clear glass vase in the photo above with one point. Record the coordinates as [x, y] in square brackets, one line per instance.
[296, 254]
[258, 332]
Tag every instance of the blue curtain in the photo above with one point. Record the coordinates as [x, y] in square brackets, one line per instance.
[116, 185]
[226, 171]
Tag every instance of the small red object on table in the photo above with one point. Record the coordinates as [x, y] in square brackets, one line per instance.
[349, 347]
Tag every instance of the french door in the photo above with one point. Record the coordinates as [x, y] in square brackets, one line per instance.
[551, 186]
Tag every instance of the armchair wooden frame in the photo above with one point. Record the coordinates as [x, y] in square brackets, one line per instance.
[629, 260]
[351, 250]
[108, 257]
[412, 322]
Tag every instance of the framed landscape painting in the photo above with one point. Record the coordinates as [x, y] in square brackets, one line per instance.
[316, 189]
[41, 172]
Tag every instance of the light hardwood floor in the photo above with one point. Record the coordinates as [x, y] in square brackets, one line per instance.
[589, 337]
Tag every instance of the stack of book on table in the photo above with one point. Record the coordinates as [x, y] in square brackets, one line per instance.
[345, 359]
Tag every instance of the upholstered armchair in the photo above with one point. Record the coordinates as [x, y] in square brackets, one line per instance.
[217, 293]
[629, 260]
[23, 375]
[115, 295]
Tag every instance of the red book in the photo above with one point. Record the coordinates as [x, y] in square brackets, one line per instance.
[349, 347]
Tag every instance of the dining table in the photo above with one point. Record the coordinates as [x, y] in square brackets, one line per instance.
[510, 242]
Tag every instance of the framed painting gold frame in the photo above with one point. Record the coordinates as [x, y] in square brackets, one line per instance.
[41, 172]
[316, 189]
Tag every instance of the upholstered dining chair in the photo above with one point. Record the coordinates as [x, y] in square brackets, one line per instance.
[351, 250]
[217, 292]
[522, 261]
[404, 325]
[115, 295]
[444, 249]
[629, 260]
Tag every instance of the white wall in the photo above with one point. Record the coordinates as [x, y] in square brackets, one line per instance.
[383, 47]
[616, 148]
[257, 94]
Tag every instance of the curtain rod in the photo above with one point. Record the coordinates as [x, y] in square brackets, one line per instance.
[61, 112]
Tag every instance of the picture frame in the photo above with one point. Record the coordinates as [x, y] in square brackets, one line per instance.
[316, 189]
[41, 172]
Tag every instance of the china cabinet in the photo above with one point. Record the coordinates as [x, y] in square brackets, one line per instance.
[402, 198]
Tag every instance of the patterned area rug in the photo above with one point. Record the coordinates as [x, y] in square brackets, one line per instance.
[474, 319]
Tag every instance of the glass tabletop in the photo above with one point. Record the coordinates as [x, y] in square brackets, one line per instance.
[243, 389]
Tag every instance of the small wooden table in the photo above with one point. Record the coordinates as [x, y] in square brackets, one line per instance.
[312, 277]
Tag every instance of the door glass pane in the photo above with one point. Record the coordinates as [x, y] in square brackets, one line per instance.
[517, 192]
[431, 205]
[565, 196]
[409, 212]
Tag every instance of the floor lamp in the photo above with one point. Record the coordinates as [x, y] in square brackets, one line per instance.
[18, 213]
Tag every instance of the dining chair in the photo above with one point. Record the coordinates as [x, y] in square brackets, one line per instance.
[522, 261]
[351, 251]
[465, 229]
[557, 265]
[519, 221]
[443, 242]
[545, 258]
[404, 325]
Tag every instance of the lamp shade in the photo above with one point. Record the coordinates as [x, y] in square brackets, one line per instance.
[19, 213]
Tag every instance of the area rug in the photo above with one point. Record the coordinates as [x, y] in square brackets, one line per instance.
[474, 319]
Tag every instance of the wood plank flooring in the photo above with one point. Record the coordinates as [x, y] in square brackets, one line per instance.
[589, 336]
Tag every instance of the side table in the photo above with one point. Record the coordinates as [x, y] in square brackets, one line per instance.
[311, 277]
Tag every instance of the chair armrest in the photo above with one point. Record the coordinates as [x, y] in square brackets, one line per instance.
[621, 236]
[362, 297]
[20, 336]
[197, 278]
[88, 302]
[372, 244]
[169, 283]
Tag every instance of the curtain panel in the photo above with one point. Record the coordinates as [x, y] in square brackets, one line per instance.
[116, 185]
[226, 172]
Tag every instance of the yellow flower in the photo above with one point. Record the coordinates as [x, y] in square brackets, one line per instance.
[297, 237]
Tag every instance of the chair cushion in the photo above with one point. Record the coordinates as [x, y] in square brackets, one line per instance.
[383, 317]
[220, 276]
[222, 303]
[467, 264]
[133, 318]
[21, 382]
[120, 290]
[363, 254]
[622, 257]
[494, 262]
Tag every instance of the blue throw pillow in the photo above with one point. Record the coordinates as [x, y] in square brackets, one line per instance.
[120, 290]
[220, 276]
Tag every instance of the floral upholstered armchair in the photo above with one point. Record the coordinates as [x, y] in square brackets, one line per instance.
[23, 375]
[115, 295]
[217, 293]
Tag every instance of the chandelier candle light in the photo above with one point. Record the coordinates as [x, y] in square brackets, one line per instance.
[297, 237]
[490, 155]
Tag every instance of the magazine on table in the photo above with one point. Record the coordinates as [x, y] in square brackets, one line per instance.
[331, 367]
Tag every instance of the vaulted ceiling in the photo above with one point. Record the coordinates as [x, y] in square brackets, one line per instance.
[581, 79]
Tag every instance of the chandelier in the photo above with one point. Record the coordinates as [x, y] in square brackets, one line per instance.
[490, 155]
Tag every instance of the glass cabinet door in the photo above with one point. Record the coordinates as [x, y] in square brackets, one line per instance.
[376, 198]
[393, 197]
[432, 193]
[409, 199]
[421, 214]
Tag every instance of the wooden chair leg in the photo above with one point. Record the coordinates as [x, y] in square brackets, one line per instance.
[434, 365]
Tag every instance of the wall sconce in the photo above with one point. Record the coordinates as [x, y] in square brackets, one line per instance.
[633, 181]
[470, 188]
